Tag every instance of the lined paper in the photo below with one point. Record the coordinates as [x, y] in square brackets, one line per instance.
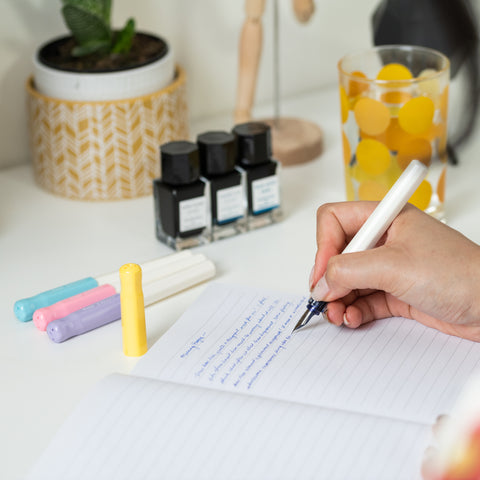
[239, 339]
[229, 392]
[137, 428]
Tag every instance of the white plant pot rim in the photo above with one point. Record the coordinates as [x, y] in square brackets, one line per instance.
[98, 86]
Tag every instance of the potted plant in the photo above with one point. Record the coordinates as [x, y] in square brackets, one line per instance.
[100, 102]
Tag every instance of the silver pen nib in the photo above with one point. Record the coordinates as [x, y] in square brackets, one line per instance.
[314, 307]
[304, 319]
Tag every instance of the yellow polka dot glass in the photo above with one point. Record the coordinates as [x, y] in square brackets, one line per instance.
[393, 102]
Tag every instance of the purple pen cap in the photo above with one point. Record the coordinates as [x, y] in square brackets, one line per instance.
[88, 318]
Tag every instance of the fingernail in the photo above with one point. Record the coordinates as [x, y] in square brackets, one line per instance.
[321, 290]
[345, 321]
[310, 279]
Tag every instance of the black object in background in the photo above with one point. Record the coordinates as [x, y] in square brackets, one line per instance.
[449, 26]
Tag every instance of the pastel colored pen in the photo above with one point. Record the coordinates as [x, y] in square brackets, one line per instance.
[134, 334]
[108, 310]
[25, 307]
[43, 316]
[376, 224]
[86, 319]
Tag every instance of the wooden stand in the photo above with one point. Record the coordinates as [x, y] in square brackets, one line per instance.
[294, 140]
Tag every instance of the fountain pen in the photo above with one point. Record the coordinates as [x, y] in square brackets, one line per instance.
[375, 225]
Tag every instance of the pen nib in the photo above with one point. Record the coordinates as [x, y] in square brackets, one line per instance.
[304, 319]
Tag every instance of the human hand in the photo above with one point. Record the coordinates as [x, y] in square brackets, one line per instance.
[421, 269]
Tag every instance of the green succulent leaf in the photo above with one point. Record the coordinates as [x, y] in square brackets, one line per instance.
[123, 39]
[98, 8]
[85, 26]
[89, 23]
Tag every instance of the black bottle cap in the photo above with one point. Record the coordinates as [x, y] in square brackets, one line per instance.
[217, 152]
[254, 144]
[180, 162]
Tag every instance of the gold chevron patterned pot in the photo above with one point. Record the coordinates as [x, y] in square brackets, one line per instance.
[104, 150]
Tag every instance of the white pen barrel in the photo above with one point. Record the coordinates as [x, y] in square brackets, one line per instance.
[150, 266]
[158, 268]
[176, 282]
[386, 211]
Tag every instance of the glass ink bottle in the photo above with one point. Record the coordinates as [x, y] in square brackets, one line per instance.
[181, 197]
[225, 182]
[254, 157]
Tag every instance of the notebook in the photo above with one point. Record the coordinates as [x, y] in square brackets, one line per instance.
[229, 393]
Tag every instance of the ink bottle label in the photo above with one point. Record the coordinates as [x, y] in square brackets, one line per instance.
[192, 214]
[230, 203]
[265, 194]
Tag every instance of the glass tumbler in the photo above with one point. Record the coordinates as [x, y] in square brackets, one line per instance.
[394, 102]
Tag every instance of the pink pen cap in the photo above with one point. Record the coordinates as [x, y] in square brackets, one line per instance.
[43, 316]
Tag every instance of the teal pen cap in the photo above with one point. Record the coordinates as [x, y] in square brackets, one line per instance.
[25, 307]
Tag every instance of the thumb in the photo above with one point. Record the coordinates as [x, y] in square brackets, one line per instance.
[375, 269]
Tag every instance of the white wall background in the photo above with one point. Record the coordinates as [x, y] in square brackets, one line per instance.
[204, 35]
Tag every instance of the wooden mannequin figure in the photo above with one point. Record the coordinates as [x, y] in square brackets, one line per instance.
[294, 140]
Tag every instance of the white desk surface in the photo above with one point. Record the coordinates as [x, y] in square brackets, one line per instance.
[47, 241]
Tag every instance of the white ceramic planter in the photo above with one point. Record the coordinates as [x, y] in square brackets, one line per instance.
[91, 87]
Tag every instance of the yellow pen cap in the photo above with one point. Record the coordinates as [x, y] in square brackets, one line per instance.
[133, 310]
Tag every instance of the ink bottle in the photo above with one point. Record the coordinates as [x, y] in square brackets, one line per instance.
[225, 182]
[254, 157]
[180, 197]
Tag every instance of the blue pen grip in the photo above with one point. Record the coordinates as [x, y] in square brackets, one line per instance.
[88, 318]
[25, 307]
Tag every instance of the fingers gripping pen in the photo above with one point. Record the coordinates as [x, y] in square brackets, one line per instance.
[376, 224]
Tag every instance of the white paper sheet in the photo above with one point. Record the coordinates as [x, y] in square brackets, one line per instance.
[239, 339]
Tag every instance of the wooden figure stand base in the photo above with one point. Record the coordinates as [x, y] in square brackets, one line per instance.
[295, 140]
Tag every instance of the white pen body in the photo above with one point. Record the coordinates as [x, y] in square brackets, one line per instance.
[387, 210]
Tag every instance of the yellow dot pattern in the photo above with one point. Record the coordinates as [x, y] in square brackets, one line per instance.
[370, 190]
[395, 136]
[398, 119]
[416, 116]
[394, 98]
[373, 157]
[356, 87]
[418, 148]
[422, 195]
[394, 71]
[430, 85]
[372, 116]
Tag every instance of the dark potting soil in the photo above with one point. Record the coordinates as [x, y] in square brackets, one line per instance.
[145, 49]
